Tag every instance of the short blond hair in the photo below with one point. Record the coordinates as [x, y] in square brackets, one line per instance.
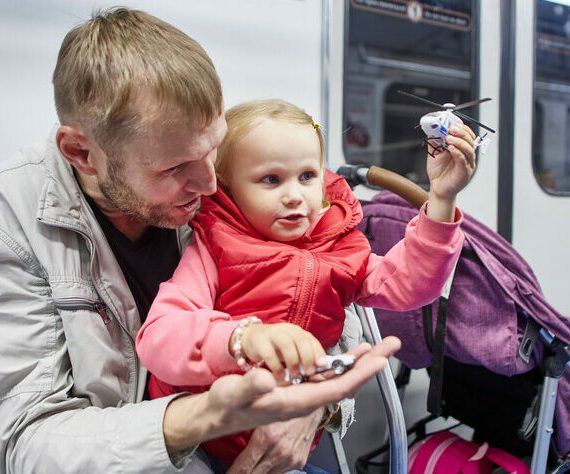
[244, 117]
[107, 62]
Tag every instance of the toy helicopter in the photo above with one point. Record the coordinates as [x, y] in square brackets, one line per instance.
[436, 125]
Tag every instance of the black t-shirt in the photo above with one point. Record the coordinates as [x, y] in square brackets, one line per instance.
[145, 262]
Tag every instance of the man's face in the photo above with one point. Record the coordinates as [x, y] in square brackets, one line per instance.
[159, 177]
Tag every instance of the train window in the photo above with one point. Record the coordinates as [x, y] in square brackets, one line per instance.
[426, 48]
[551, 127]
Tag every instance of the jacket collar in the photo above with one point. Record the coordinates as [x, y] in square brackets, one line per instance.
[61, 198]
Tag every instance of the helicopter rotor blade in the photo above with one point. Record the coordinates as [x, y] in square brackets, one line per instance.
[470, 103]
[460, 106]
[469, 119]
[435, 104]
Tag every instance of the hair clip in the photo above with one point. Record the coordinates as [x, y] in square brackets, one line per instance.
[315, 125]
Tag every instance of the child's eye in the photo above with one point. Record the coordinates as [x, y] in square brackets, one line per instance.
[270, 179]
[307, 176]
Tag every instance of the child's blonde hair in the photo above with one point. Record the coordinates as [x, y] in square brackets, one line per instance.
[244, 117]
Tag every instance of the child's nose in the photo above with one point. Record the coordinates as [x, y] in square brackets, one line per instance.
[292, 197]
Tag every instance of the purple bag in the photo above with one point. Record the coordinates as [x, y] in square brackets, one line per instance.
[492, 289]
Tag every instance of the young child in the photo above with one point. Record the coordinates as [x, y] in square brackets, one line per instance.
[276, 258]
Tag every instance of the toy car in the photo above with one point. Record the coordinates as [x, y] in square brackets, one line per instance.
[338, 363]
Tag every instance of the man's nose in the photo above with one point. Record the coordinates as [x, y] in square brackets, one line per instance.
[203, 180]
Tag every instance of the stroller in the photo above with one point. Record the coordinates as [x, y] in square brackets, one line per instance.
[496, 339]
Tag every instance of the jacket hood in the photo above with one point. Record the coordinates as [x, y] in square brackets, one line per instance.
[343, 215]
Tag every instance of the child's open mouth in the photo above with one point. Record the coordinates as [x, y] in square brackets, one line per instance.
[292, 218]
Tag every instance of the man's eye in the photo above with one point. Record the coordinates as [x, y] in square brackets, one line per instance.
[270, 179]
[171, 171]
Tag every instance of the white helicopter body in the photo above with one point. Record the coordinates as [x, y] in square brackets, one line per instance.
[436, 125]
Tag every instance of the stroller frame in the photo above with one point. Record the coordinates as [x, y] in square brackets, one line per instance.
[555, 364]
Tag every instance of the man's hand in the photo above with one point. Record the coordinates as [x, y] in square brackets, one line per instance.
[278, 447]
[236, 403]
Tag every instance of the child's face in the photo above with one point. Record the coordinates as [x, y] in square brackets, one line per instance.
[276, 178]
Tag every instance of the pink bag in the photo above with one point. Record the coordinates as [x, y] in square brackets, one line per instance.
[447, 453]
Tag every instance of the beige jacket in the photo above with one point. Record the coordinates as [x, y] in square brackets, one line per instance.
[69, 377]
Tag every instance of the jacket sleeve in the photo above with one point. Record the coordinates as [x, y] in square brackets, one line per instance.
[183, 340]
[44, 428]
[414, 271]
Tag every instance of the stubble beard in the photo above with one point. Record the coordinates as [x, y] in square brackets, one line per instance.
[121, 195]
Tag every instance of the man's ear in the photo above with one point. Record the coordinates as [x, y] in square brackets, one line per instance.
[76, 148]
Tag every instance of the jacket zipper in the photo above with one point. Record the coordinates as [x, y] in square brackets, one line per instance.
[131, 341]
[299, 317]
[79, 304]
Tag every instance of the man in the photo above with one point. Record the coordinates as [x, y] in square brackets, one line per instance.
[90, 223]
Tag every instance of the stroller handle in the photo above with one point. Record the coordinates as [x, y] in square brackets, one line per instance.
[398, 184]
[386, 179]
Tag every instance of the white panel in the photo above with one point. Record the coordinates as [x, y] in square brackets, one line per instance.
[479, 198]
[261, 49]
[541, 223]
[335, 153]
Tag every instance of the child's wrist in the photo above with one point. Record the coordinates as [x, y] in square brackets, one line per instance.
[236, 349]
[440, 209]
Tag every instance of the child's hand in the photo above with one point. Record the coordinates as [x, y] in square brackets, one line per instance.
[281, 346]
[449, 171]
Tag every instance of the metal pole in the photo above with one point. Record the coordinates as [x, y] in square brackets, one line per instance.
[340, 454]
[326, 39]
[544, 428]
[392, 404]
